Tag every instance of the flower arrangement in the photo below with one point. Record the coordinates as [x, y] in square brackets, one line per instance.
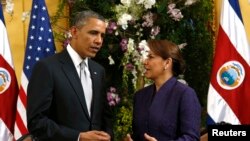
[134, 22]
[130, 23]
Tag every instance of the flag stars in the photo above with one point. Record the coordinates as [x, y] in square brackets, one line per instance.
[39, 49]
[27, 67]
[47, 50]
[41, 29]
[28, 57]
[31, 37]
[33, 27]
[44, 8]
[40, 38]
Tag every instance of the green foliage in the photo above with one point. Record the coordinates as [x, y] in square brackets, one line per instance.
[194, 29]
[124, 120]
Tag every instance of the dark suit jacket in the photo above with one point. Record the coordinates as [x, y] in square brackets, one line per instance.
[56, 105]
[173, 113]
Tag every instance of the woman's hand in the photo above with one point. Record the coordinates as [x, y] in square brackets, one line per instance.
[149, 138]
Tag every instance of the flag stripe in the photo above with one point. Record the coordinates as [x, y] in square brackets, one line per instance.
[24, 82]
[5, 135]
[21, 110]
[22, 96]
[17, 132]
[236, 8]
[236, 34]
[20, 124]
[219, 105]
[1, 14]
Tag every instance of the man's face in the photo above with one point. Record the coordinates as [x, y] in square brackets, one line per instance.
[87, 40]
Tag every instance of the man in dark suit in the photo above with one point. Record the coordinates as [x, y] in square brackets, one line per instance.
[59, 107]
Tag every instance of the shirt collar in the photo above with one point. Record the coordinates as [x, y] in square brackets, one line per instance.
[75, 57]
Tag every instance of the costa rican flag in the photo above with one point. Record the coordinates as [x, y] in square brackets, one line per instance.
[229, 90]
[8, 85]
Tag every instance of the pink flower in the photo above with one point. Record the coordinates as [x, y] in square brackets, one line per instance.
[111, 27]
[112, 89]
[171, 6]
[112, 97]
[174, 13]
[129, 67]
[148, 20]
[155, 30]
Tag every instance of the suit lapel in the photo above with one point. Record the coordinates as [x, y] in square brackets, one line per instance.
[159, 101]
[71, 73]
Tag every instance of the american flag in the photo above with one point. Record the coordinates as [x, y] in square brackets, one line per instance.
[228, 96]
[40, 44]
[8, 86]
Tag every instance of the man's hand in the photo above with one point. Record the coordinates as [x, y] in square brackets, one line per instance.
[94, 136]
[149, 138]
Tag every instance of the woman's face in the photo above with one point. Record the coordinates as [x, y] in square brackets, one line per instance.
[154, 66]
